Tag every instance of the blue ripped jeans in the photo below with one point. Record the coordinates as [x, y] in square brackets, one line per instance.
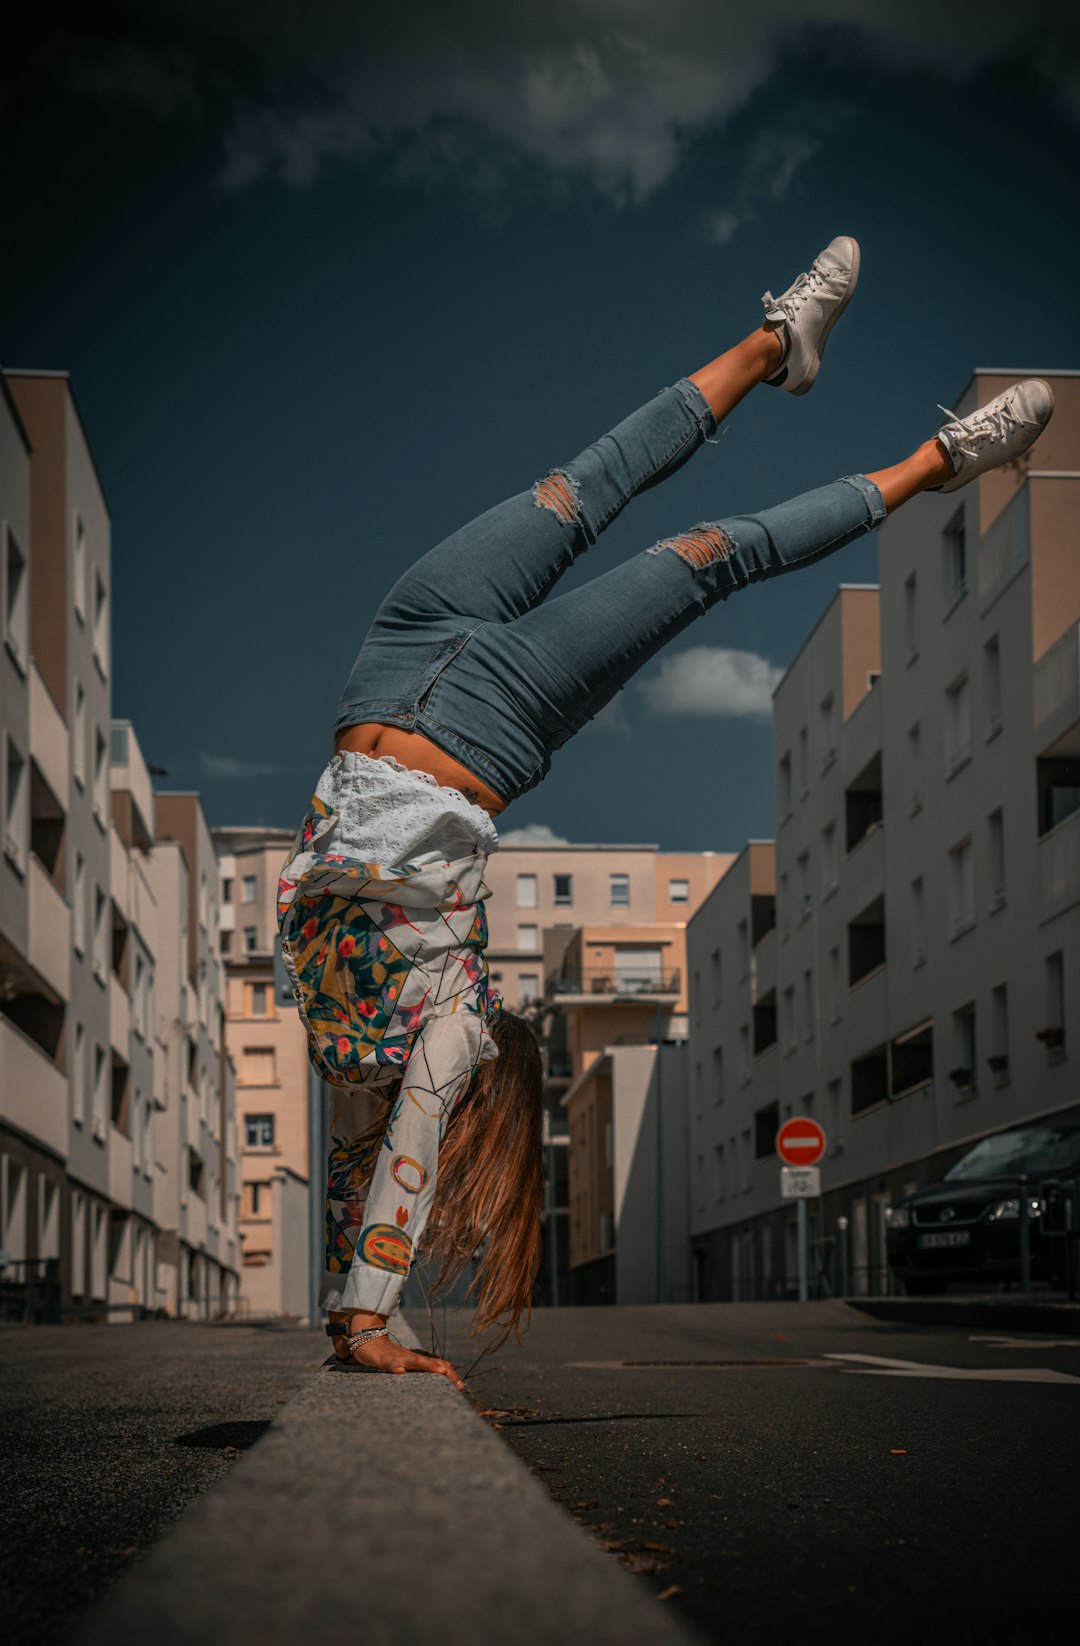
[469, 650]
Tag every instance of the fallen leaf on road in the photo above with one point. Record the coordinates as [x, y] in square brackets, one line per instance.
[642, 1566]
[230, 1451]
[898, 1451]
[671, 1524]
[612, 1543]
[550, 1468]
[662, 1548]
[672, 1589]
[665, 1502]
[593, 1503]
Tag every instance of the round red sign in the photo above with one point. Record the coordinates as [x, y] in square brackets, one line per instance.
[800, 1141]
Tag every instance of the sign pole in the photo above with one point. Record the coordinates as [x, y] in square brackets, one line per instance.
[800, 1212]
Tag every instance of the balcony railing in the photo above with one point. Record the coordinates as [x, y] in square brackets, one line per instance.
[625, 985]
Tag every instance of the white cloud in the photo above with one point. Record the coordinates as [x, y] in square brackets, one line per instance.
[712, 680]
[227, 765]
[533, 834]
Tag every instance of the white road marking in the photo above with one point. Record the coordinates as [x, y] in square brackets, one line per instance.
[883, 1366]
[1028, 1342]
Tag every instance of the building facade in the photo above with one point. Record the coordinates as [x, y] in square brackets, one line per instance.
[86, 1172]
[919, 990]
[269, 1048]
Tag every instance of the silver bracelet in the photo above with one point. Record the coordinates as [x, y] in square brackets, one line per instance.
[354, 1339]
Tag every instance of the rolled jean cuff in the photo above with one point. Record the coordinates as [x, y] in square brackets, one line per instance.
[874, 500]
[698, 404]
[364, 1289]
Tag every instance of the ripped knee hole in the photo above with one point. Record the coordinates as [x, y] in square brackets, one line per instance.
[558, 492]
[700, 547]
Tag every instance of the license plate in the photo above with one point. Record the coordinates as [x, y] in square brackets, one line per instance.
[950, 1237]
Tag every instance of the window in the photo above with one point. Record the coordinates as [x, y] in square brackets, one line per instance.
[101, 625]
[78, 592]
[718, 1074]
[809, 1014]
[784, 788]
[715, 976]
[911, 618]
[102, 935]
[528, 937]
[259, 1131]
[827, 724]
[250, 887]
[1053, 1035]
[258, 1067]
[101, 776]
[719, 1173]
[834, 985]
[954, 560]
[526, 891]
[962, 1074]
[1058, 784]
[620, 891]
[915, 772]
[78, 1076]
[744, 1053]
[679, 891]
[16, 807]
[918, 922]
[251, 939]
[869, 1080]
[16, 630]
[226, 890]
[743, 936]
[961, 889]
[782, 902]
[999, 1030]
[992, 685]
[259, 1000]
[101, 1069]
[766, 1126]
[78, 742]
[829, 880]
[957, 726]
[529, 986]
[196, 1173]
[747, 1179]
[912, 1059]
[802, 881]
[832, 1114]
[866, 941]
[804, 761]
[995, 827]
[564, 890]
[225, 942]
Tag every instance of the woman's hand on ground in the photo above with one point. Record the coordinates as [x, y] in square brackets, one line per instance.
[385, 1355]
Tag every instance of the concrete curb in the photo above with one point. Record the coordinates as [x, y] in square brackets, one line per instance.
[386, 1508]
[1005, 1314]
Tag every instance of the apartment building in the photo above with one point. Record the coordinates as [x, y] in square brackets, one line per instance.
[590, 938]
[84, 1158]
[918, 991]
[269, 1048]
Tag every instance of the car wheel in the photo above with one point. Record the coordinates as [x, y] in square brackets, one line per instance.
[925, 1287]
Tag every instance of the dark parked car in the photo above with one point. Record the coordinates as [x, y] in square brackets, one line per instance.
[967, 1227]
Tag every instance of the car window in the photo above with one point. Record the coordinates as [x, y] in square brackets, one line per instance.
[1035, 1149]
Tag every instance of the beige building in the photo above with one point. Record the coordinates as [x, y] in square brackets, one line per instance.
[86, 1169]
[919, 990]
[269, 1048]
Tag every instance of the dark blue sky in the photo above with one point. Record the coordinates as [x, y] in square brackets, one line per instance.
[328, 291]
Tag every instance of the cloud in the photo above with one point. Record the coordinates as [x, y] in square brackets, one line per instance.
[533, 834]
[606, 95]
[770, 166]
[712, 680]
[227, 765]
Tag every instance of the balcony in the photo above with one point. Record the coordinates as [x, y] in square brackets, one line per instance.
[119, 1018]
[1059, 868]
[34, 1090]
[120, 1167]
[49, 945]
[48, 738]
[1057, 696]
[601, 987]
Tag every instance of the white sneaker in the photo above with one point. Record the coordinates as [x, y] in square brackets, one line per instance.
[807, 312]
[997, 433]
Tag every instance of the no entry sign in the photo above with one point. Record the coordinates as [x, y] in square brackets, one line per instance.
[800, 1141]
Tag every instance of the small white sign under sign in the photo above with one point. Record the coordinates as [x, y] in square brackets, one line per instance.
[797, 1182]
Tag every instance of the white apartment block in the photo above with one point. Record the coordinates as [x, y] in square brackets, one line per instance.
[84, 1157]
[919, 990]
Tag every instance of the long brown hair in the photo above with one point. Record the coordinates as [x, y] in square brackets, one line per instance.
[489, 1188]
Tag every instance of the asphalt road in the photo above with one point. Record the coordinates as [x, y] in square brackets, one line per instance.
[106, 1432]
[799, 1497]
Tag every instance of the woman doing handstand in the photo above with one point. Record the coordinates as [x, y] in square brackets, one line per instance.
[468, 680]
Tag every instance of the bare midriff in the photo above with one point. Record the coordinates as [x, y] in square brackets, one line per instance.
[419, 754]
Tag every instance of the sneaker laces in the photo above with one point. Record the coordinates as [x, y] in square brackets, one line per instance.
[807, 285]
[967, 434]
